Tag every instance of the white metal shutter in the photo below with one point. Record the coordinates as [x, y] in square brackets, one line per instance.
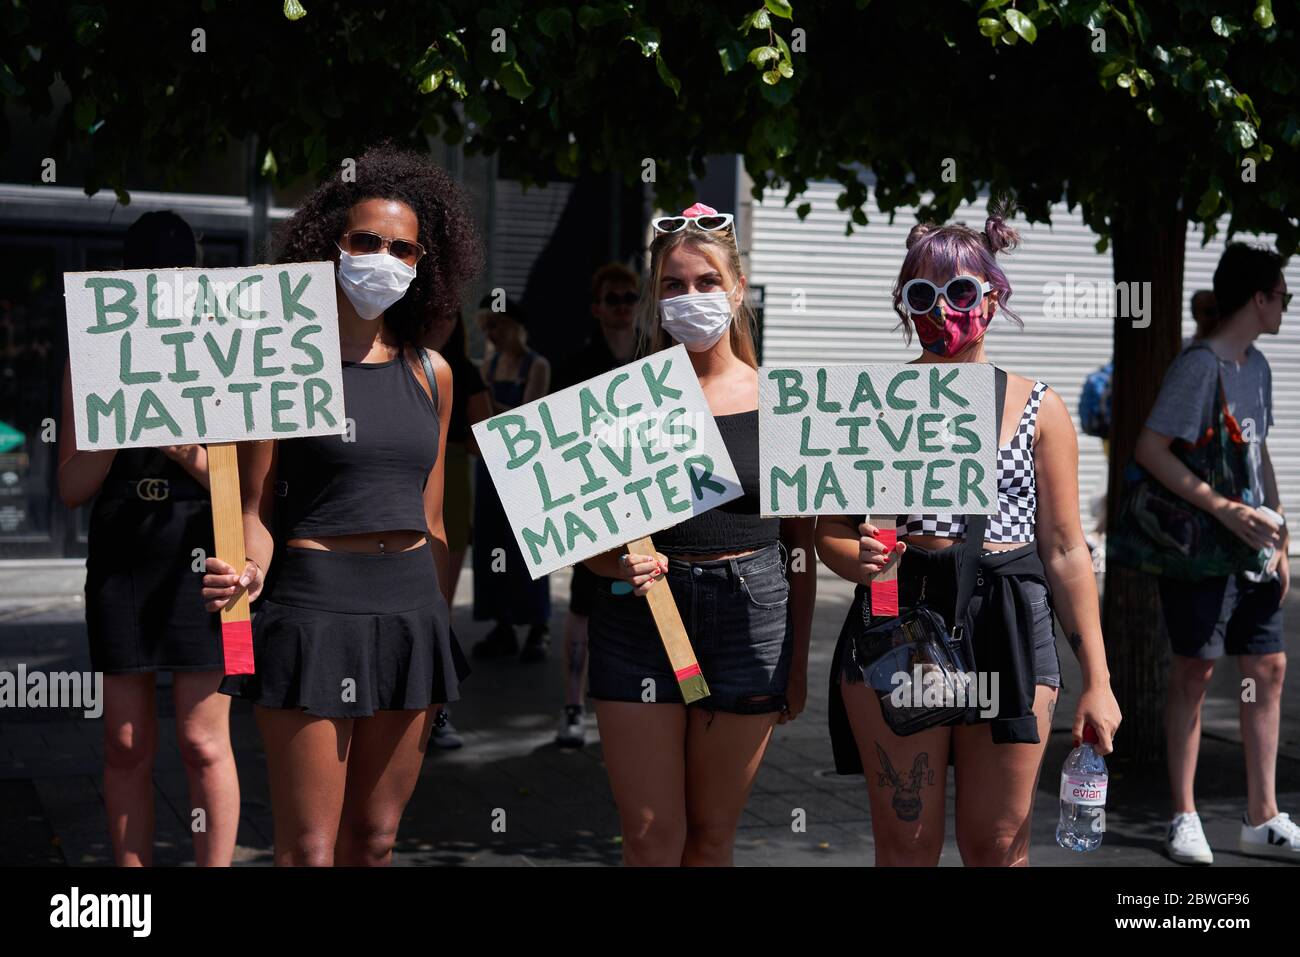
[828, 300]
[524, 221]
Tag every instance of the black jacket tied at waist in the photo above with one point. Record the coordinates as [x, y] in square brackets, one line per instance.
[999, 626]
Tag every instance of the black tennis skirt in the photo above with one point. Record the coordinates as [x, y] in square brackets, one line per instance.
[144, 581]
[343, 635]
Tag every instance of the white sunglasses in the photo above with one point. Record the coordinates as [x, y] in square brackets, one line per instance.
[709, 222]
[963, 293]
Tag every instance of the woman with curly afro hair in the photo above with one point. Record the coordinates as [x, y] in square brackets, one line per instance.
[351, 641]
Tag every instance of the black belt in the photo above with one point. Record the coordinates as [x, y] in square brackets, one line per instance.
[153, 489]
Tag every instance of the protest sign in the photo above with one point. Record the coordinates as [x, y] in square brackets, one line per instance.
[884, 439]
[177, 356]
[606, 463]
[206, 356]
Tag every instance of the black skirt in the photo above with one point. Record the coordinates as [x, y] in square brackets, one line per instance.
[343, 635]
[144, 601]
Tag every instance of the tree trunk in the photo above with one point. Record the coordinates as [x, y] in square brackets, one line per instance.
[1149, 239]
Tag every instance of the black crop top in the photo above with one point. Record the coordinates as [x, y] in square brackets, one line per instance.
[371, 478]
[735, 525]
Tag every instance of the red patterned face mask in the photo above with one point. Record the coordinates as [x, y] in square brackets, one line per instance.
[949, 335]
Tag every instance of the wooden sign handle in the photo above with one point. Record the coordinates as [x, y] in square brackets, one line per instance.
[672, 632]
[884, 587]
[228, 533]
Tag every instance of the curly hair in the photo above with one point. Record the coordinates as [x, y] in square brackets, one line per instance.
[454, 252]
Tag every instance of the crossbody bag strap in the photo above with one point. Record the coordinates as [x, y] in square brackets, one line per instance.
[433, 379]
[977, 524]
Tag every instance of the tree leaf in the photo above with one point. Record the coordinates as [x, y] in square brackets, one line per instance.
[780, 8]
[293, 10]
[1022, 25]
[666, 75]
[1264, 14]
[554, 22]
[1245, 133]
[647, 38]
[759, 55]
[514, 81]
[990, 27]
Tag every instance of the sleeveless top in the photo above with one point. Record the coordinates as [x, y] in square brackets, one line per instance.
[735, 525]
[1017, 498]
[371, 478]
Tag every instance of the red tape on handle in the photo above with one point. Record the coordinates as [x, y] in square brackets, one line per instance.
[884, 592]
[237, 643]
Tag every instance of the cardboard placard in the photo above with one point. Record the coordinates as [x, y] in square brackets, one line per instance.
[181, 356]
[607, 461]
[882, 439]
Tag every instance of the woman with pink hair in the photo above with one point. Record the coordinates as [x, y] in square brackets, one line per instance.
[1034, 563]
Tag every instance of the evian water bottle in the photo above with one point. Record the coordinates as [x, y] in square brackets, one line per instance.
[1083, 797]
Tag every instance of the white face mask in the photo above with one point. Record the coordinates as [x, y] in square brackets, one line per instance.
[373, 282]
[697, 320]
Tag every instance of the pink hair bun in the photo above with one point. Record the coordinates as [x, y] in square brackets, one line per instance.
[699, 209]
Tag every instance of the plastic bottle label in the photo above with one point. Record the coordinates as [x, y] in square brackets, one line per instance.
[1079, 790]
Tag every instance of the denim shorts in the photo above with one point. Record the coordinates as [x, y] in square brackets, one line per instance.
[737, 614]
[1047, 664]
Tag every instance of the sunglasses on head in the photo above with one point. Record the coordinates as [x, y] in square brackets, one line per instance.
[362, 242]
[625, 299]
[710, 222]
[963, 293]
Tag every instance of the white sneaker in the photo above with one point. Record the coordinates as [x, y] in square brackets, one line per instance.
[572, 733]
[1277, 837]
[1186, 842]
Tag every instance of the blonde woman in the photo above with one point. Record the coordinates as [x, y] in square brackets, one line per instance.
[681, 774]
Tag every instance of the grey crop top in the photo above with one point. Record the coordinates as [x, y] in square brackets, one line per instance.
[371, 478]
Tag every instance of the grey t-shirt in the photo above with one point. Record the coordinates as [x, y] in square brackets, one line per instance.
[1185, 405]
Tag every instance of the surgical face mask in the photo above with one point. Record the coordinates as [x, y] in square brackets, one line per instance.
[373, 282]
[697, 320]
[949, 334]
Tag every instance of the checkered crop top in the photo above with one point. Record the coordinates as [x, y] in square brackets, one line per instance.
[1017, 500]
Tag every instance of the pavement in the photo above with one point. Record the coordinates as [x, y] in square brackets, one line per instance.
[511, 797]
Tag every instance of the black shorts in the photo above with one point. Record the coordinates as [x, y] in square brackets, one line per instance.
[1231, 615]
[582, 589]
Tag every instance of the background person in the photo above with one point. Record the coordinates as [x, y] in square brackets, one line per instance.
[613, 301]
[143, 608]
[1240, 615]
[470, 404]
[503, 590]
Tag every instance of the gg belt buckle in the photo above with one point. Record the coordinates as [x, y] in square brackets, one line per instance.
[152, 489]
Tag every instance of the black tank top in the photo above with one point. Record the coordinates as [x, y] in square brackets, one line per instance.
[732, 526]
[372, 478]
